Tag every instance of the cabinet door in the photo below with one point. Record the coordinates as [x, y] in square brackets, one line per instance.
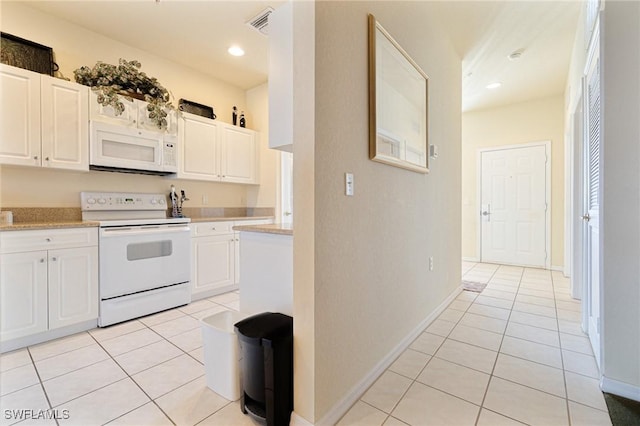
[199, 148]
[65, 124]
[23, 294]
[20, 116]
[213, 262]
[238, 155]
[107, 114]
[73, 286]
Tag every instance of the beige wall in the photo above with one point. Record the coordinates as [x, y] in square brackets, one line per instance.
[263, 195]
[75, 46]
[533, 121]
[371, 283]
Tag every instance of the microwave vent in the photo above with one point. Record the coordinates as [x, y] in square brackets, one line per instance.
[261, 21]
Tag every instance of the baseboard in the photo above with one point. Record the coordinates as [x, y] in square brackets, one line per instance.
[471, 259]
[341, 407]
[297, 420]
[45, 336]
[622, 389]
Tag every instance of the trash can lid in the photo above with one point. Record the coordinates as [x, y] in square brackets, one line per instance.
[267, 325]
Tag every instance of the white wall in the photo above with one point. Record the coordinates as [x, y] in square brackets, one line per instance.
[620, 202]
[620, 191]
[75, 46]
[532, 121]
[263, 195]
[367, 257]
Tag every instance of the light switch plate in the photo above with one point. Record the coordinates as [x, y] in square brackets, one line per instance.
[348, 184]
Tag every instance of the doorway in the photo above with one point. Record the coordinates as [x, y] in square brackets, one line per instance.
[515, 204]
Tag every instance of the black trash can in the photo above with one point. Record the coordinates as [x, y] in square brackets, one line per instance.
[266, 345]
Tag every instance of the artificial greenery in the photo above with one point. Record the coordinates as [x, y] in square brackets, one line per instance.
[113, 82]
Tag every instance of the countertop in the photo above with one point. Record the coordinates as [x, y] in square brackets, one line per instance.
[27, 218]
[271, 228]
[26, 226]
[232, 218]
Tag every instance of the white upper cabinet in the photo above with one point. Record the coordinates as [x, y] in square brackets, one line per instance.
[216, 151]
[44, 121]
[238, 154]
[20, 116]
[65, 124]
[199, 148]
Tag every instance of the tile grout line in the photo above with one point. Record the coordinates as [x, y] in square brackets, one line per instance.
[564, 375]
[495, 362]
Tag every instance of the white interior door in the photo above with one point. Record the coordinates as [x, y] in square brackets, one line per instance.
[514, 201]
[592, 197]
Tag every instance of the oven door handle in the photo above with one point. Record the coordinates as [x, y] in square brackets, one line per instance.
[142, 230]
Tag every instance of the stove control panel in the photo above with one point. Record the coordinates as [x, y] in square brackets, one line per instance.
[101, 201]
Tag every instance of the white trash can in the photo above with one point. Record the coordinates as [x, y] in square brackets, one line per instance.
[222, 354]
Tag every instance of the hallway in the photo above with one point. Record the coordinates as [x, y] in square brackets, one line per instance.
[513, 354]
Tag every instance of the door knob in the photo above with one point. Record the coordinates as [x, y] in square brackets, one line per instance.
[586, 217]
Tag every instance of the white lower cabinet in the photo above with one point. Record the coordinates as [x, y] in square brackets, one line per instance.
[23, 294]
[73, 289]
[48, 280]
[213, 263]
[215, 252]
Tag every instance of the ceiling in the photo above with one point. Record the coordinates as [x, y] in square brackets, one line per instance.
[484, 34]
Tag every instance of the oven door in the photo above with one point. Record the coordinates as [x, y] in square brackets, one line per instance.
[139, 258]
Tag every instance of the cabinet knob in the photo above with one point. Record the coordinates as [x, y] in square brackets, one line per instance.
[42, 260]
[46, 158]
[35, 157]
[213, 229]
[54, 258]
[48, 240]
[134, 121]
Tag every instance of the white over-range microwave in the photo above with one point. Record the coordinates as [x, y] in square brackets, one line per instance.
[124, 149]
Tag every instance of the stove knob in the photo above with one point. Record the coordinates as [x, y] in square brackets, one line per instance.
[91, 201]
[161, 201]
[102, 201]
[154, 201]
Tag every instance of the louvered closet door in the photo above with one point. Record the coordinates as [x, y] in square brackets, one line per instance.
[592, 196]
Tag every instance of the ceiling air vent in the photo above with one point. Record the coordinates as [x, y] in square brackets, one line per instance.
[261, 21]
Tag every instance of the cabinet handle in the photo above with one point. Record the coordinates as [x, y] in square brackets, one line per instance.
[134, 121]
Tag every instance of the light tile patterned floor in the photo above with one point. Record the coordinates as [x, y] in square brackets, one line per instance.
[513, 354]
[143, 372]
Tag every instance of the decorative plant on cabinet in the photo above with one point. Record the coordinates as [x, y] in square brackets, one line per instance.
[112, 82]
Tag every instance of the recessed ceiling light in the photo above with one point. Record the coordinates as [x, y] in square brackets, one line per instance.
[235, 51]
[494, 85]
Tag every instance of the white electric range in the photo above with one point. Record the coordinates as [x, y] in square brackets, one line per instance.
[145, 257]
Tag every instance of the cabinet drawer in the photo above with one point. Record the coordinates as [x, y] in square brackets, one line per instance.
[211, 228]
[23, 241]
